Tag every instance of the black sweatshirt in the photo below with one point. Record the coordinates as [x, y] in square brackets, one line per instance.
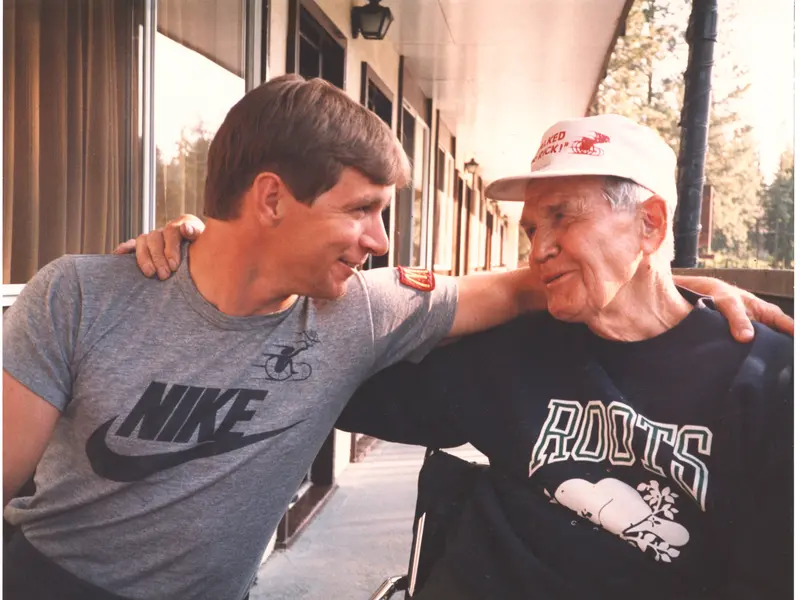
[653, 469]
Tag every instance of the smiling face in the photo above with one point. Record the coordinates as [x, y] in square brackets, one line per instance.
[321, 243]
[582, 250]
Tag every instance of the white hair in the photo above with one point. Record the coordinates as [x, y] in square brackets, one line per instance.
[625, 194]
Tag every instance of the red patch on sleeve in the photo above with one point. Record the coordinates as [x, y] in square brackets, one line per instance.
[419, 279]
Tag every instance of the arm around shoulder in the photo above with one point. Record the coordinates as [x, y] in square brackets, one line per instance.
[486, 300]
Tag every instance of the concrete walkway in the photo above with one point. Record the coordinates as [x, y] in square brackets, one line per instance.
[362, 535]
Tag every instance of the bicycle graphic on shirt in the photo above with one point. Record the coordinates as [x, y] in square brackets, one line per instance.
[282, 366]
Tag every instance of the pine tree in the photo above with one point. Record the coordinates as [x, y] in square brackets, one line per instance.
[638, 85]
[736, 177]
[180, 182]
[778, 201]
[645, 82]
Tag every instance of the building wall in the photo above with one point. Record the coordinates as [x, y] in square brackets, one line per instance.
[278, 29]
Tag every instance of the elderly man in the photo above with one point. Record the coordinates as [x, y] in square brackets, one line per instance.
[636, 450]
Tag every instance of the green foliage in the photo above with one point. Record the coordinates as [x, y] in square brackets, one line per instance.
[180, 181]
[737, 182]
[640, 83]
[778, 219]
[645, 83]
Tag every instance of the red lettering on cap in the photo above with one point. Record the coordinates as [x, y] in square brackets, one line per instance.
[418, 279]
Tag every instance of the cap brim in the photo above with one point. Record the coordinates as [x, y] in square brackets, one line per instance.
[509, 188]
[512, 189]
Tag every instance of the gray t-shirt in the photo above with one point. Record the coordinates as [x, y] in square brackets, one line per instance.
[185, 432]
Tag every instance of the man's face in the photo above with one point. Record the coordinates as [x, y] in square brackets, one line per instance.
[326, 240]
[582, 251]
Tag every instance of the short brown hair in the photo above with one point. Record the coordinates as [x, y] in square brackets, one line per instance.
[306, 132]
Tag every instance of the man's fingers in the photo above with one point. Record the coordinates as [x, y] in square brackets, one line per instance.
[126, 247]
[155, 245]
[772, 316]
[172, 246]
[191, 227]
[733, 309]
[784, 323]
[143, 258]
[185, 227]
[159, 252]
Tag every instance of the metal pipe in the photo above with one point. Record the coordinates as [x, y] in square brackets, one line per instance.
[147, 115]
[389, 587]
[701, 36]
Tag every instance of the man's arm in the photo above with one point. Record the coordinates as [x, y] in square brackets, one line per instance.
[762, 548]
[40, 334]
[415, 403]
[738, 306]
[486, 300]
[483, 302]
[28, 423]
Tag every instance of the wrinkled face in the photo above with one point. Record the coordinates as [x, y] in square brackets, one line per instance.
[326, 240]
[582, 251]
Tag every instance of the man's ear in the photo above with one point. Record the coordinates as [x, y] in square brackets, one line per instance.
[266, 193]
[653, 214]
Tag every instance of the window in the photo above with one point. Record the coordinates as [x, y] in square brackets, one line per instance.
[443, 213]
[71, 137]
[490, 239]
[378, 102]
[315, 45]
[412, 201]
[199, 75]
[80, 110]
[377, 97]
[476, 229]
[501, 244]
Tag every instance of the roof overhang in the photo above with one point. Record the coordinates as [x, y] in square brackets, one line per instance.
[502, 71]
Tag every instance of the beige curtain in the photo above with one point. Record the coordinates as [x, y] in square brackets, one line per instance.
[67, 144]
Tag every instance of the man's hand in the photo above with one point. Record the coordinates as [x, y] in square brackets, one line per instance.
[159, 252]
[739, 306]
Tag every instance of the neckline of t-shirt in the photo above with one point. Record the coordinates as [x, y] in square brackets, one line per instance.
[693, 327]
[211, 313]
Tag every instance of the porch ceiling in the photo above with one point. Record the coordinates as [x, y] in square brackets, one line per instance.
[502, 71]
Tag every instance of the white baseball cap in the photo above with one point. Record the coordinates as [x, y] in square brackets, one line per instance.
[599, 145]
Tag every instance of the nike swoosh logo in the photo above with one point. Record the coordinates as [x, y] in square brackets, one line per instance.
[125, 468]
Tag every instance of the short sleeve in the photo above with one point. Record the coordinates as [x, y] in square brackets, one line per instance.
[40, 332]
[408, 322]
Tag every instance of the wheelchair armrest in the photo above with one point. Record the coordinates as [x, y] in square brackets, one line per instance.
[398, 583]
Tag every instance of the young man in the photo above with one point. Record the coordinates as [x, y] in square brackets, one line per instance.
[169, 424]
[635, 448]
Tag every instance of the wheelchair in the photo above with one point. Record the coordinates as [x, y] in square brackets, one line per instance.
[445, 482]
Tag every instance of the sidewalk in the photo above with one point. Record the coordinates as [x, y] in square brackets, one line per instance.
[362, 535]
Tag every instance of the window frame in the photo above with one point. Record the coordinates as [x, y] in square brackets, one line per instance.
[255, 46]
